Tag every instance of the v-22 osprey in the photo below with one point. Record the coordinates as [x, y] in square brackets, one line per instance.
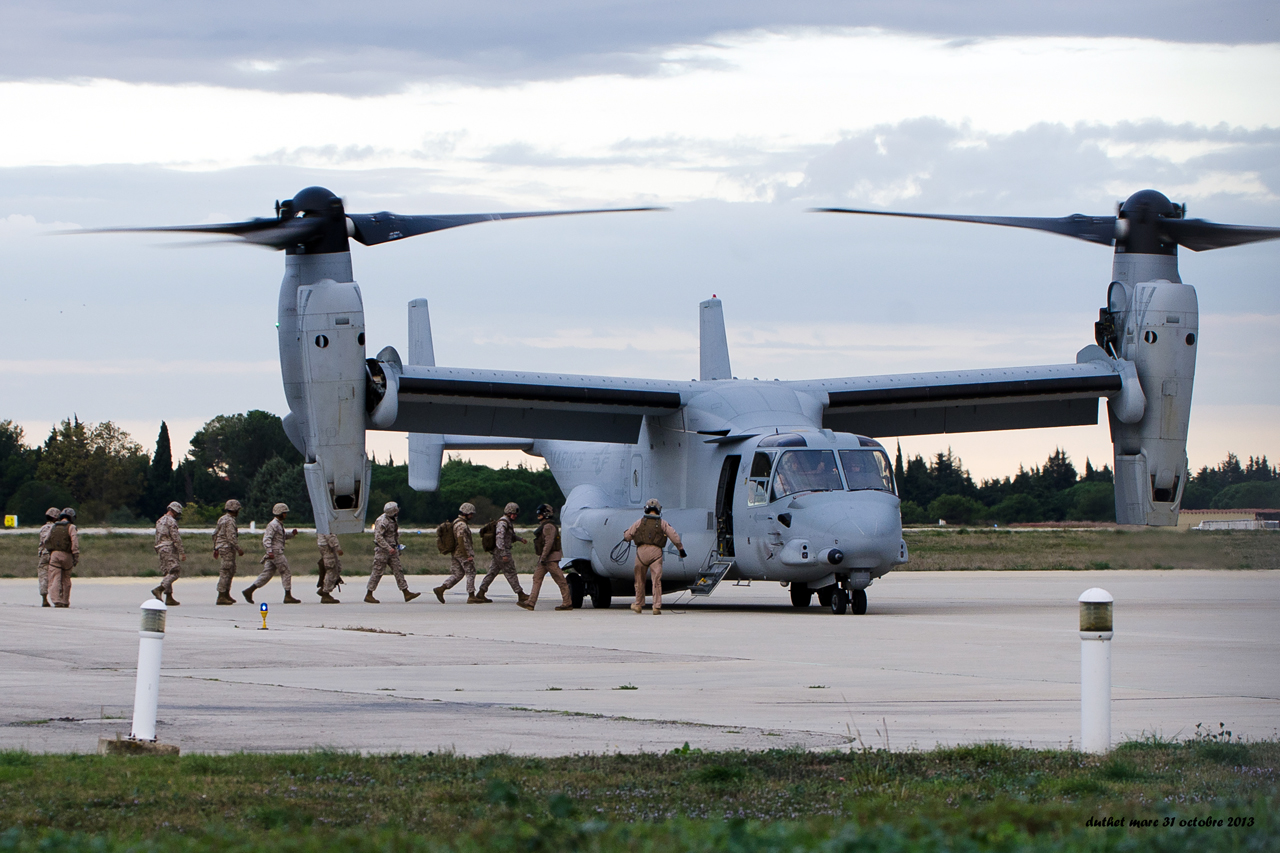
[765, 480]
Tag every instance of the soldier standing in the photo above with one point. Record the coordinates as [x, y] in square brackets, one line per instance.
[547, 542]
[274, 561]
[650, 534]
[226, 547]
[386, 553]
[42, 568]
[502, 563]
[463, 563]
[169, 549]
[64, 554]
[330, 566]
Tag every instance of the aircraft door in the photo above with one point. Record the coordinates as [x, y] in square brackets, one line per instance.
[636, 480]
[724, 505]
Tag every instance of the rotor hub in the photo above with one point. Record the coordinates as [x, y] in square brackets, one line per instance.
[1139, 221]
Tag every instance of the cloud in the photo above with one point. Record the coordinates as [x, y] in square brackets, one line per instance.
[347, 48]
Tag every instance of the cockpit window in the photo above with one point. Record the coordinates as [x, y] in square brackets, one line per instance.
[758, 482]
[867, 469]
[805, 471]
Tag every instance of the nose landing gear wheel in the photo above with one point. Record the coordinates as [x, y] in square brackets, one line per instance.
[859, 602]
[839, 601]
[601, 594]
[801, 595]
[577, 589]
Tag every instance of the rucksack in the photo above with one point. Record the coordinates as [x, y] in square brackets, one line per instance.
[489, 537]
[445, 541]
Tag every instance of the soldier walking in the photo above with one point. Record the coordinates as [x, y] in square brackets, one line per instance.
[226, 547]
[547, 543]
[503, 538]
[330, 566]
[169, 549]
[386, 553]
[463, 563]
[64, 554]
[42, 568]
[650, 534]
[273, 561]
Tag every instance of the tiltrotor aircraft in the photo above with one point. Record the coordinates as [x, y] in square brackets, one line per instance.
[772, 481]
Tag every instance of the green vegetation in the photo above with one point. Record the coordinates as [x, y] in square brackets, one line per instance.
[984, 797]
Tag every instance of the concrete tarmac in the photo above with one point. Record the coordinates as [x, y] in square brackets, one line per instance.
[941, 658]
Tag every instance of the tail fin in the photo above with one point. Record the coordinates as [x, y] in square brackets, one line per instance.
[713, 345]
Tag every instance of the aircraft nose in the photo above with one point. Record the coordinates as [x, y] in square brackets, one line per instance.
[865, 526]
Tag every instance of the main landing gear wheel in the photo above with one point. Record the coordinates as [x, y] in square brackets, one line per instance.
[577, 589]
[601, 594]
[859, 602]
[824, 595]
[801, 595]
[839, 601]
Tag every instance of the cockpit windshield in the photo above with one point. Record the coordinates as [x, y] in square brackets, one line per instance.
[805, 471]
[867, 469]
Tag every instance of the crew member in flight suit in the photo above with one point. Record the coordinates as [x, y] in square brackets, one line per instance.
[386, 554]
[504, 537]
[64, 554]
[650, 534]
[463, 563]
[169, 549]
[549, 556]
[226, 547]
[42, 568]
[330, 566]
[274, 561]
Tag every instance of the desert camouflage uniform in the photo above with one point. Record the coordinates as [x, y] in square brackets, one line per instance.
[274, 562]
[386, 552]
[169, 548]
[60, 565]
[226, 541]
[42, 568]
[502, 564]
[330, 565]
[464, 558]
[650, 557]
[549, 564]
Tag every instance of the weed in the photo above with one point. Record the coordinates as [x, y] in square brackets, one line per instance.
[626, 687]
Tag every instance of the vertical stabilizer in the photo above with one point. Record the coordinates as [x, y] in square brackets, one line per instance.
[426, 451]
[713, 345]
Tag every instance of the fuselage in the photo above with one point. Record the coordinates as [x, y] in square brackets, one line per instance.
[745, 474]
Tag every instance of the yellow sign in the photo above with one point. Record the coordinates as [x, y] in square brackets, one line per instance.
[10, 521]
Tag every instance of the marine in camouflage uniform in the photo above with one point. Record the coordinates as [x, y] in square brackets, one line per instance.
[463, 564]
[330, 566]
[226, 547]
[169, 549]
[549, 556]
[273, 561]
[64, 554]
[502, 563]
[42, 567]
[650, 534]
[386, 553]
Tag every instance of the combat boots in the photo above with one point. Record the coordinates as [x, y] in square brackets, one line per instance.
[564, 607]
[157, 592]
[223, 598]
[636, 608]
[439, 591]
[484, 599]
[289, 599]
[475, 599]
[410, 596]
[170, 601]
[44, 601]
[326, 598]
[525, 604]
[369, 599]
[248, 594]
[521, 597]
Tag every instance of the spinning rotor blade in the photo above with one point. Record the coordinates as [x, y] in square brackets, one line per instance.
[1199, 235]
[273, 233]
[374, 228]
[1095, 229]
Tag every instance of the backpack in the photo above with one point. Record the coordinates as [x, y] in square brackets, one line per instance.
[445, 541]
[489, 537]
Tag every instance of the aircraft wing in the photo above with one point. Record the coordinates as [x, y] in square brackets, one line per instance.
[967, 400]
[461, 401]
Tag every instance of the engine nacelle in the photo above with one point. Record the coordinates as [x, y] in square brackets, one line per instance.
[330, 322]
[1157, 328]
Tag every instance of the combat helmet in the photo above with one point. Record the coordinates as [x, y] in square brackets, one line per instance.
[391, 508]
[467, 508]
[52, 513]
[69, 513]
[174, 507]
[511, 508]
[279, 509]
[232, 505]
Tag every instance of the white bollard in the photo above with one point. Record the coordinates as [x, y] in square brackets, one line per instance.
[1095, 670]
[146, 697]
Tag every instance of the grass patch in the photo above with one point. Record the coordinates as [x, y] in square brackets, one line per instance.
[973, 798]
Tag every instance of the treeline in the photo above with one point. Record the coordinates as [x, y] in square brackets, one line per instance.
[102, 472]
[941, 489]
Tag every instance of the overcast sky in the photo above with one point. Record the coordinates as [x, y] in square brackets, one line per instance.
[738, 116]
